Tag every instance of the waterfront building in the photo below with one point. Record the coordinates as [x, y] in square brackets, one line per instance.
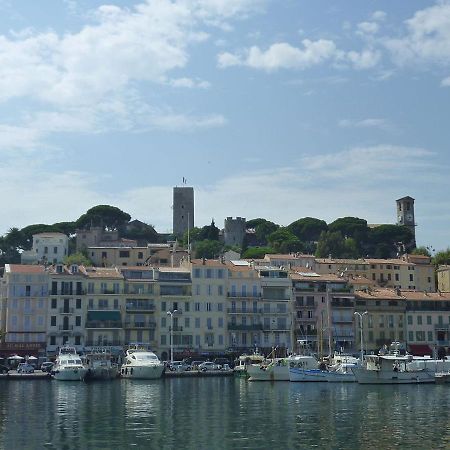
[183, 210]
[323, 311]
[140, 291]
[175, 311]
[105, 307]
[385, 319]
[245, 308]
[48, 248]
[66, 314]
[23, 310]
[291, 261]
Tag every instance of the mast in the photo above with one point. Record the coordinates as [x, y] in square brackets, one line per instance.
[328, 320]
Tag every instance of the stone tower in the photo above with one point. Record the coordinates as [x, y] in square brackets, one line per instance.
[183, 209]
[234, 231]
[405, 214]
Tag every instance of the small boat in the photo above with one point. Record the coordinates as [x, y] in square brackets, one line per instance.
[68, 365]
[100, 365]
[279, 369]
[244, 361]
[141, 363]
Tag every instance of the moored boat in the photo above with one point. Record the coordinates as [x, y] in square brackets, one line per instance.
[141, 363]
[68, 365]
[278, 369]
[101, 366]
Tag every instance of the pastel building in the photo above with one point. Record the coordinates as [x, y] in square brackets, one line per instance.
[24, 300]
[48, 248]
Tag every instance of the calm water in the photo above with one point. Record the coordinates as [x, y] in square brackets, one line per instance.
[221, 413]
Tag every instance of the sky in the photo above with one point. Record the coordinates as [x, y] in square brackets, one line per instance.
[269, 108]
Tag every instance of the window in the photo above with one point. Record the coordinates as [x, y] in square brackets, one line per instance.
[209, 323]
[55, 250]
[373, 277]
[428, 320]
[197, 322]
[27, 291]
[220, 322]
[197, 306]
[53, 321]
[410, 320]
[196, 273]
[78, 303]
[91, 303]
[163, 307]
[186, 306]
[77, 340]
[419, 320]
[209, 289]
[163, 339]
[78, 321]
[397, 277]
[163, 322]
[220, 307]
[430, 336]
[52, 340]
[220, 273]
[140, 255]
[220, 339]
[46, 250]
[208, 273]
[187, 322]
[220, 290]
[124, 254]
[197, 340]
[53, 303]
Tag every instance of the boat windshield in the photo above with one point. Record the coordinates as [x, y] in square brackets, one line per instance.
[145, 356]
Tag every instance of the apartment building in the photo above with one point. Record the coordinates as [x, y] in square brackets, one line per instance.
[443, 278]
[24, 300]
[47, 247]
[66, 314]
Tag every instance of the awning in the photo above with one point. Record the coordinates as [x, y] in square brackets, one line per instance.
[420, 349]
[113, 316]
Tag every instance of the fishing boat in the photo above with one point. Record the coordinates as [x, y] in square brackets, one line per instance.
[68, 365]
[278, 369]
[244, 361]
[100, 365]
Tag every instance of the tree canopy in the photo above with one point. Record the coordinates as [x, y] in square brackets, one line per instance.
[106, 216]
[308, 229]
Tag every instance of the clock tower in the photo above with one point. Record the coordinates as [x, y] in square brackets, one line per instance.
[405, 214]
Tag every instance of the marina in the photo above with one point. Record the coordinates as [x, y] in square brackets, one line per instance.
[222, 412]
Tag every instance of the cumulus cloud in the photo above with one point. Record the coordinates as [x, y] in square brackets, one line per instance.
[445, 82]
[281, 56]
[365, 123]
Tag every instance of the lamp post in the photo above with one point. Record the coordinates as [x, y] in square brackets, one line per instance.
[171, 313]
[361, 317]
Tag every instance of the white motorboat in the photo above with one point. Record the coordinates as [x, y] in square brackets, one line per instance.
[244, 361]
[141, 363]
[101, 366]
[68, 365]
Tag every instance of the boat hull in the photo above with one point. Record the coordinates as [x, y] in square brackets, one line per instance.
[297, 374]
[103, 373]
[142, 372]
[364, 376]
[257, 372]
[67, 374]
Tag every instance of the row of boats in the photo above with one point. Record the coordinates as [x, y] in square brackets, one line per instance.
[390, 367]
[139, 363]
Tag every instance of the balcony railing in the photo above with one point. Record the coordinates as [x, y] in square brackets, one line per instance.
[145, 324]
[176, 328]
[103, 324]
[245, 311]
[104, 344]
[240, 327]
[149, 307]
[66, 310]
[67, 328]
[244, 296]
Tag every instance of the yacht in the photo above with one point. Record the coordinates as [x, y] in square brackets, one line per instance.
[278, 369]
[141, 363]
[101, 366]
[68, 365]
[245, 361]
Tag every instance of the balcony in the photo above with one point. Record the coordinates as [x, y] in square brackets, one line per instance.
[176, 328]
[240, 327]
[66, 310]
[111, 291]
[442, 327]
[245, 311]
[145, 324]
[143, 308]
[104, 344]
[67, 328]
[276, 328]
[103, 324]
[242, 296]
[348, 320]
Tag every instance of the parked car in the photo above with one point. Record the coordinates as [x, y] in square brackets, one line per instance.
[25, 368]
[4, 369]
[222, 362]
[47, 366]
[208, 365]
[179, 366]
[195, 364]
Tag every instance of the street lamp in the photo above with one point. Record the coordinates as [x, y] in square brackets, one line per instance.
[171, 313]
[361, 317]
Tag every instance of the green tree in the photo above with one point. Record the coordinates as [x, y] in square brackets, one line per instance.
[207, 249]
[330, 243]
[284, 241]
[308, 229]
[106, 216]
[257, 252]
[442, 257]
[141, 232]
[351, 227]
[78, 258]
[210, 232]
[421, 251]
[262, 229]
[388, 240]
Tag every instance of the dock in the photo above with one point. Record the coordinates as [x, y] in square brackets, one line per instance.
[37, 375]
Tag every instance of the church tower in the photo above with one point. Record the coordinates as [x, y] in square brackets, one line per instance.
[183, 209]
[405, 214]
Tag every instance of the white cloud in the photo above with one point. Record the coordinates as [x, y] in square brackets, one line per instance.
[379, 16]
[180, 122]
[281, 56]
[365, 123]
[189, 83]
[368, 28]
[427, 37]
[366, 59]
[445, 82]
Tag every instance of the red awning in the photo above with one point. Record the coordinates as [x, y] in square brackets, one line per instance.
[420, 349]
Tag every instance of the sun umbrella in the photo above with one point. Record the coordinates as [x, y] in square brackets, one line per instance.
[15, 357]
[32, 358]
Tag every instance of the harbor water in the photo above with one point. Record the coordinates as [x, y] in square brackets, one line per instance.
[222, 413]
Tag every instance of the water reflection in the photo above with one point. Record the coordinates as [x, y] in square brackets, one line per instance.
[221, 413]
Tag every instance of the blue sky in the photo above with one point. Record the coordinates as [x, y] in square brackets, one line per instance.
[275, 109]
